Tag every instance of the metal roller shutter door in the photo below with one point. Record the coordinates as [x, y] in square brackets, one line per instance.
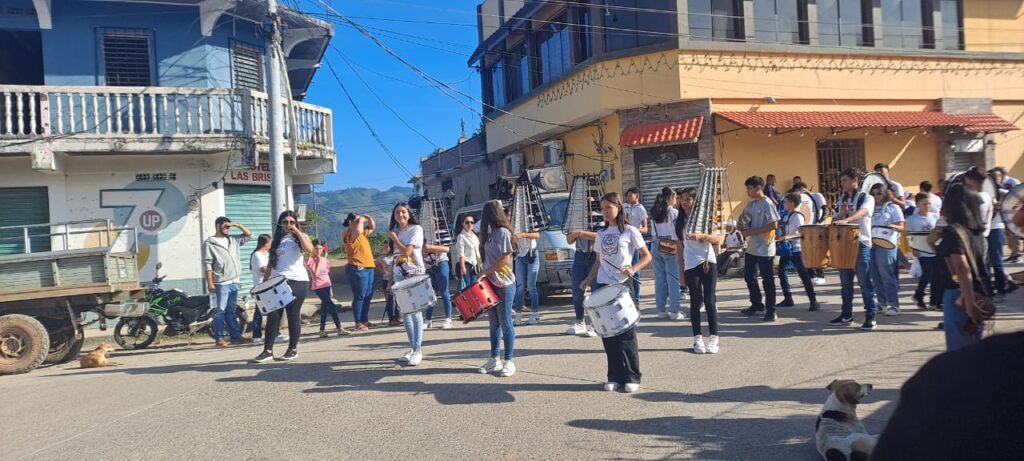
[684, 172]
[249, 205]
[23, 206]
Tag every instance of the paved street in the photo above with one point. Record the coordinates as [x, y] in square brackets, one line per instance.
[346, 398]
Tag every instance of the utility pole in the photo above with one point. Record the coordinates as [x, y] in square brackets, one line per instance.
[278, 193]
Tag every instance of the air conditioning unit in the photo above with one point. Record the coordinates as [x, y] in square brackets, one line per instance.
[512, 164]
[554, 152]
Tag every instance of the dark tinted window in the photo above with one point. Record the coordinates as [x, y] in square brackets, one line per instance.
[716, 20]
[902, 24]
[842, 23]
[952, 25]
[634, 23]
[584, 31]
[497, 78]
[553, 49]
[780, 21]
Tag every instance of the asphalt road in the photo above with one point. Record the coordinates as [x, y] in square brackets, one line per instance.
[346, 398]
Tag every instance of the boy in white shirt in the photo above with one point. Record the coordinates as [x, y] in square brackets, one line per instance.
[791, 235]
[923, 220]
[733, 250]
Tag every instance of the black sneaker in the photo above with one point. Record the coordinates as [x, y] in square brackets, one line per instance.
[814, 306]
[940, 326]
[771, 316]
[869, 324]
[264, 357]
[841, 320]
[788, 302]
[289, 355]
[752, 311]
[1011, 287]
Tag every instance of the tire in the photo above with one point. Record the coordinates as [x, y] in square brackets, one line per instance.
[24, 344]
[145, 332]
[67, 351]
[240, 317]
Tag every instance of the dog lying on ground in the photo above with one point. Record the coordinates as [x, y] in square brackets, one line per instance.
[98, 357]
[839, 434]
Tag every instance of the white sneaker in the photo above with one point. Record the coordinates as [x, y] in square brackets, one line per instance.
[447, 324]
[492, 365]
[698, 345]
[257, 341]
[678, 316]
[416, 358]
[509, 369]
[712, 344]
[663, 315]
[576, 329]
[819, 281]
[281, 338]
[534, 319]
[610, 387]
[892, 311]
[407, 357]
[631, 388]
[516, 318]
[428, 324]
[590, 332]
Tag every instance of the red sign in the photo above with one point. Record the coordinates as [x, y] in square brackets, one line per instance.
[260, 175]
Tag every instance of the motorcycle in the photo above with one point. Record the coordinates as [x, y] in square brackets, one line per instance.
[179, 312]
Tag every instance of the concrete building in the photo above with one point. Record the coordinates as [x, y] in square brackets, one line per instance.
[646, 90]
[152, 115]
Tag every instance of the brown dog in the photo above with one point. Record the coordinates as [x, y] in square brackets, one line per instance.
[98, 357]
[839, 434]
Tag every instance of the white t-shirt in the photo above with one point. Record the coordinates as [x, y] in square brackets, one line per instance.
[997, 221]
[635, 214]
[820, 200]
[290, 261]
[865, 222]
[525, 245]
[256, 262]
[936, 202]
[918, 223]
[793, 221]
[987, 202]
[411, 235]
[616, 252]
[733, 240]
[666, 230]
[887, 214]
[896, 188]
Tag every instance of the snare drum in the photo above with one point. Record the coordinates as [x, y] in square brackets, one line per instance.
[844, 245]
[414, 294]
[814, 245]
[272, 295]
[884, 237]
[611, 310]
[919, 241]
[475, 300]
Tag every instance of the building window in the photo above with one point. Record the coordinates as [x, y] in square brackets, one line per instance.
[902, 24]
[635, 23]
[845, 23]
[834, 156]
[517, 65]
[583, 31]
[781, 21]
[553, 50]
[496, 74]
[952, 24]
[127, 57]
[717, 20]
[247, 66]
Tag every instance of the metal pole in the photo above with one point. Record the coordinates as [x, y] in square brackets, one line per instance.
[278, 193]
[316, 223]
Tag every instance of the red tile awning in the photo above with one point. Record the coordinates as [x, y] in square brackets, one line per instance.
[676, 131]
[973, 123]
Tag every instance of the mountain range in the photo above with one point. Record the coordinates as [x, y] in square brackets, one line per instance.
[334, 205]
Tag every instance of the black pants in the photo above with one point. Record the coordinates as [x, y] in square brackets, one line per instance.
[293, 310]
[702, 291]
[623, 357]
[751, 266]
[927, 279]
[390, 307]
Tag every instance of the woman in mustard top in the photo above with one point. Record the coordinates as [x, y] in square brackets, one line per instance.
[360, 266]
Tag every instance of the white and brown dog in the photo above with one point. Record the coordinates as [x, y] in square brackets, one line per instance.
[840, 436]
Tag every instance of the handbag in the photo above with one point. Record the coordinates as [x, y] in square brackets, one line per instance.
[666, 246]
[982, 302]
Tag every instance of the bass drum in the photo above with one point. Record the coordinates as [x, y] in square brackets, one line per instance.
[869, 181]
[1012, 203]
[989, 186]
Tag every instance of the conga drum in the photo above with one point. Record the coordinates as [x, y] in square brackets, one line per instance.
[814, 245]
[844, 245]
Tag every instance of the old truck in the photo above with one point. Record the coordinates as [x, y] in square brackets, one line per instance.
[84, 272]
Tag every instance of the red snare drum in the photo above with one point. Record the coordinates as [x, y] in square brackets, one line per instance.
[475, 300]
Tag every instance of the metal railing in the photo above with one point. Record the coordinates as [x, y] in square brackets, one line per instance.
[107, 235]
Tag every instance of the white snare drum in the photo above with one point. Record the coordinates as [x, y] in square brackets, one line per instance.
[611, 310]
[414, 294]
[272, 295]
[919, 241]
[884, 237]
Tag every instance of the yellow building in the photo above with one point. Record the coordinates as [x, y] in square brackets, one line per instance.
[647, 89]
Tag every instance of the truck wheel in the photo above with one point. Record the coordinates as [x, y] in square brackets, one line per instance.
[135, 332]
[65, 351]
[24, 344]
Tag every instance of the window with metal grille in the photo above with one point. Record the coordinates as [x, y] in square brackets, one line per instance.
[247, 66]
[834, 156]
[127, 57]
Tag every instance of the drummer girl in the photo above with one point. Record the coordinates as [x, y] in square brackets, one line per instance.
[884, 275]
[407, 239]
[700, 274]
[616, 244]
[497, 248]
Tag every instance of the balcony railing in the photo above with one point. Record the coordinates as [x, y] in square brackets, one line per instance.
[123, 113]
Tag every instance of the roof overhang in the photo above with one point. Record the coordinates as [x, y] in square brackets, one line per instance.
[970, 123]
[660, 133]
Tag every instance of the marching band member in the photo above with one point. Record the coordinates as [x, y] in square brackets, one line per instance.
[527, 266]
[407, 238]
[665, 248]
[286, 250]
[817, 275]
[996, 242]
[497, 248]
[636, 216]
[618, 242]
[764, 217]
[467, 254]
[884, 273]
[582, 261]
[791, 234]
[924, 220]
[700, 274]
[974, 180]
[440, 271]
[856, 208]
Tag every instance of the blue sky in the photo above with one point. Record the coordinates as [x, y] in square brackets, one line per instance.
[440, 50]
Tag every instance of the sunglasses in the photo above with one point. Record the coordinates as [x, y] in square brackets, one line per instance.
[468, 222]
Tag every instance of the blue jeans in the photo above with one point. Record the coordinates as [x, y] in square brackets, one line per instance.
[360, 279]
[884, 276]
[526, 280]
[927, 273]
[666, 280]
[795, 260]
[327, 306]
[414, 329]
[751, 266]
[636, 280]
[227, 298]
[500, 323]
[440, 275]
[462, 281]
[996, 240]
[867, 290]
[953, 321]
[582, 262]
